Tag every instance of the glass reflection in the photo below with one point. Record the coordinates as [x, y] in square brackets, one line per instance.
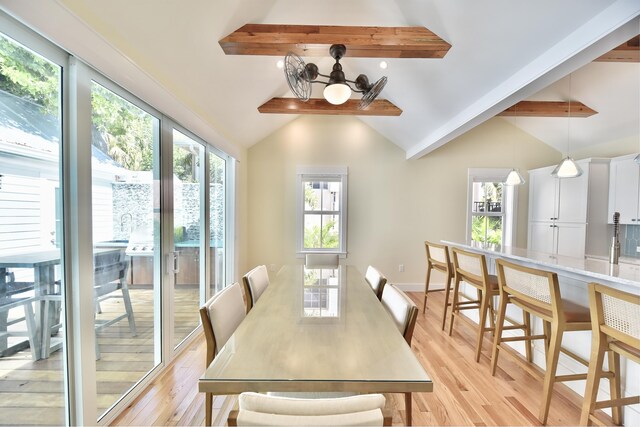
[321, 293]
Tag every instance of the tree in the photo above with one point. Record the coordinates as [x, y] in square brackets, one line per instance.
[321, 237]
[29, 76]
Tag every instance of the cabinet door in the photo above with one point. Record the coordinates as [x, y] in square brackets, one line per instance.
[541, 237]
[572, 200]
[571, 239]
[624, 190]
[542, 201]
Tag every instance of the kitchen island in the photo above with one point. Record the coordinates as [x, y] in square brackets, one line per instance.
[574, 275]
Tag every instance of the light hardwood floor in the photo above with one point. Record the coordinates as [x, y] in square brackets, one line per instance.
[464, 393]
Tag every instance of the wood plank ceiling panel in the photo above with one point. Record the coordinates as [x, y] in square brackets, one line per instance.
[379, 107]
[626, 52]
[548, 109]
[315, 40]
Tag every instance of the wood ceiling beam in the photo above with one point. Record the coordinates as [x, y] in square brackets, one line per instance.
[315, 40]
[626, 52]
[379, 107]
[548, 109]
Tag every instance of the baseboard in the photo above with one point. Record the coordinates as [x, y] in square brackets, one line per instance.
[418, 287]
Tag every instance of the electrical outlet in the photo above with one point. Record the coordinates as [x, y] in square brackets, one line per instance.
[401, 268]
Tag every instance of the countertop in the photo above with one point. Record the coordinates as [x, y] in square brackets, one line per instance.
[593, 268]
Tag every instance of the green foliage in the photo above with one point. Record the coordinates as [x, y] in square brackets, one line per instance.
[321, 237]
[29, 76]
[310, 197]
[486, 229]
[127, 129]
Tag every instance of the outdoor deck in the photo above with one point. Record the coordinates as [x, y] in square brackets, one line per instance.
[32, 392]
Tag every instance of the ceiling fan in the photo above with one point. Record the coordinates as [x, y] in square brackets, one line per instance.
[337, 89]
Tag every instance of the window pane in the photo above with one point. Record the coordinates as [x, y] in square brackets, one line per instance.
[312, 196]
[321, 231]
[187, 193]
[487, 197]
[217, 207]
[487, 229]
[126, 240]
[32, 381]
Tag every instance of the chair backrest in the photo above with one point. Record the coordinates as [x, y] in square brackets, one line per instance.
[376, 280]
[471, 267]
[109, 271]
[403, 311]
[438, 257]
[220, 316]
[321, 260]
[255, 282]
[615, 313]
[538, 288]
[264, 410]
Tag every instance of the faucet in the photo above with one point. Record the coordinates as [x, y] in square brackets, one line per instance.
[122, 221]
[614, 251]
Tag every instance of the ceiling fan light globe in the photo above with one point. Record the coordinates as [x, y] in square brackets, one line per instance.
[514, 178]
[567, 168]
[337, 93]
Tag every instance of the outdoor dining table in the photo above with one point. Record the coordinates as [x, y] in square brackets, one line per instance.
[43, 263]
[341, 340]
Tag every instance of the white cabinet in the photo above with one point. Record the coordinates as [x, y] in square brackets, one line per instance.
[569, 216]
[553, 199]
[624, 190]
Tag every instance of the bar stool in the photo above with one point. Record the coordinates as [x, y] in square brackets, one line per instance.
[471, 268]
[537, 292]
[438, 259]
[615, 322]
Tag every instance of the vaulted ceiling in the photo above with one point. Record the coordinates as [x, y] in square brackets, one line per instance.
[502, 51]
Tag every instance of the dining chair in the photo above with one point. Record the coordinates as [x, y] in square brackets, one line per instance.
[615, 330]
[438, 259]
[404, 313]
[110, 275]
[255, 283]
[321, 260]
[220, 316]
[14, 298]
[538, 292]
[256, 409]
[376, 280]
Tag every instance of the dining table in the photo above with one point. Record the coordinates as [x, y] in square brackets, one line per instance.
[316, 330]
[43, 262]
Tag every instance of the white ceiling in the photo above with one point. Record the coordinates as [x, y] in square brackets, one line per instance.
[502, 51]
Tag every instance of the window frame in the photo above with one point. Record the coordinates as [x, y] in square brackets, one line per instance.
[509, 209]
[321, 173]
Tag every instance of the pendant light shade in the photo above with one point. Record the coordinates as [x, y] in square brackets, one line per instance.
[514, 178]
[568, 168]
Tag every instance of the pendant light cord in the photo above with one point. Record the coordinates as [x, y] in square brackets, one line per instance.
[569, 120]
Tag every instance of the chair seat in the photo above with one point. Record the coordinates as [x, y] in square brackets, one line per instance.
[494, 286]
[573, 313]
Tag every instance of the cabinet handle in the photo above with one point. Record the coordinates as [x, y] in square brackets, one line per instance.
[551, 226]
[633, 219]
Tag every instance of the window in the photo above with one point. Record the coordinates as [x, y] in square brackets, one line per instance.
[321, 216]
[491, 212]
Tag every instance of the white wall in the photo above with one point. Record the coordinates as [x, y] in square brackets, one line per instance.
[394, 204]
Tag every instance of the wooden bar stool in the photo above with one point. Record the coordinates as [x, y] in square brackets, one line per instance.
[472, 268]
[537, 292]
[438, 259]
[615, 323]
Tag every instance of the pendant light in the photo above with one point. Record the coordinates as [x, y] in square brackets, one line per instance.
[514, 177]
[568, 168]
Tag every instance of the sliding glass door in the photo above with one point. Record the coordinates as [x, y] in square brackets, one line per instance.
[32, 286]
[188, 220]
[126, 243]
